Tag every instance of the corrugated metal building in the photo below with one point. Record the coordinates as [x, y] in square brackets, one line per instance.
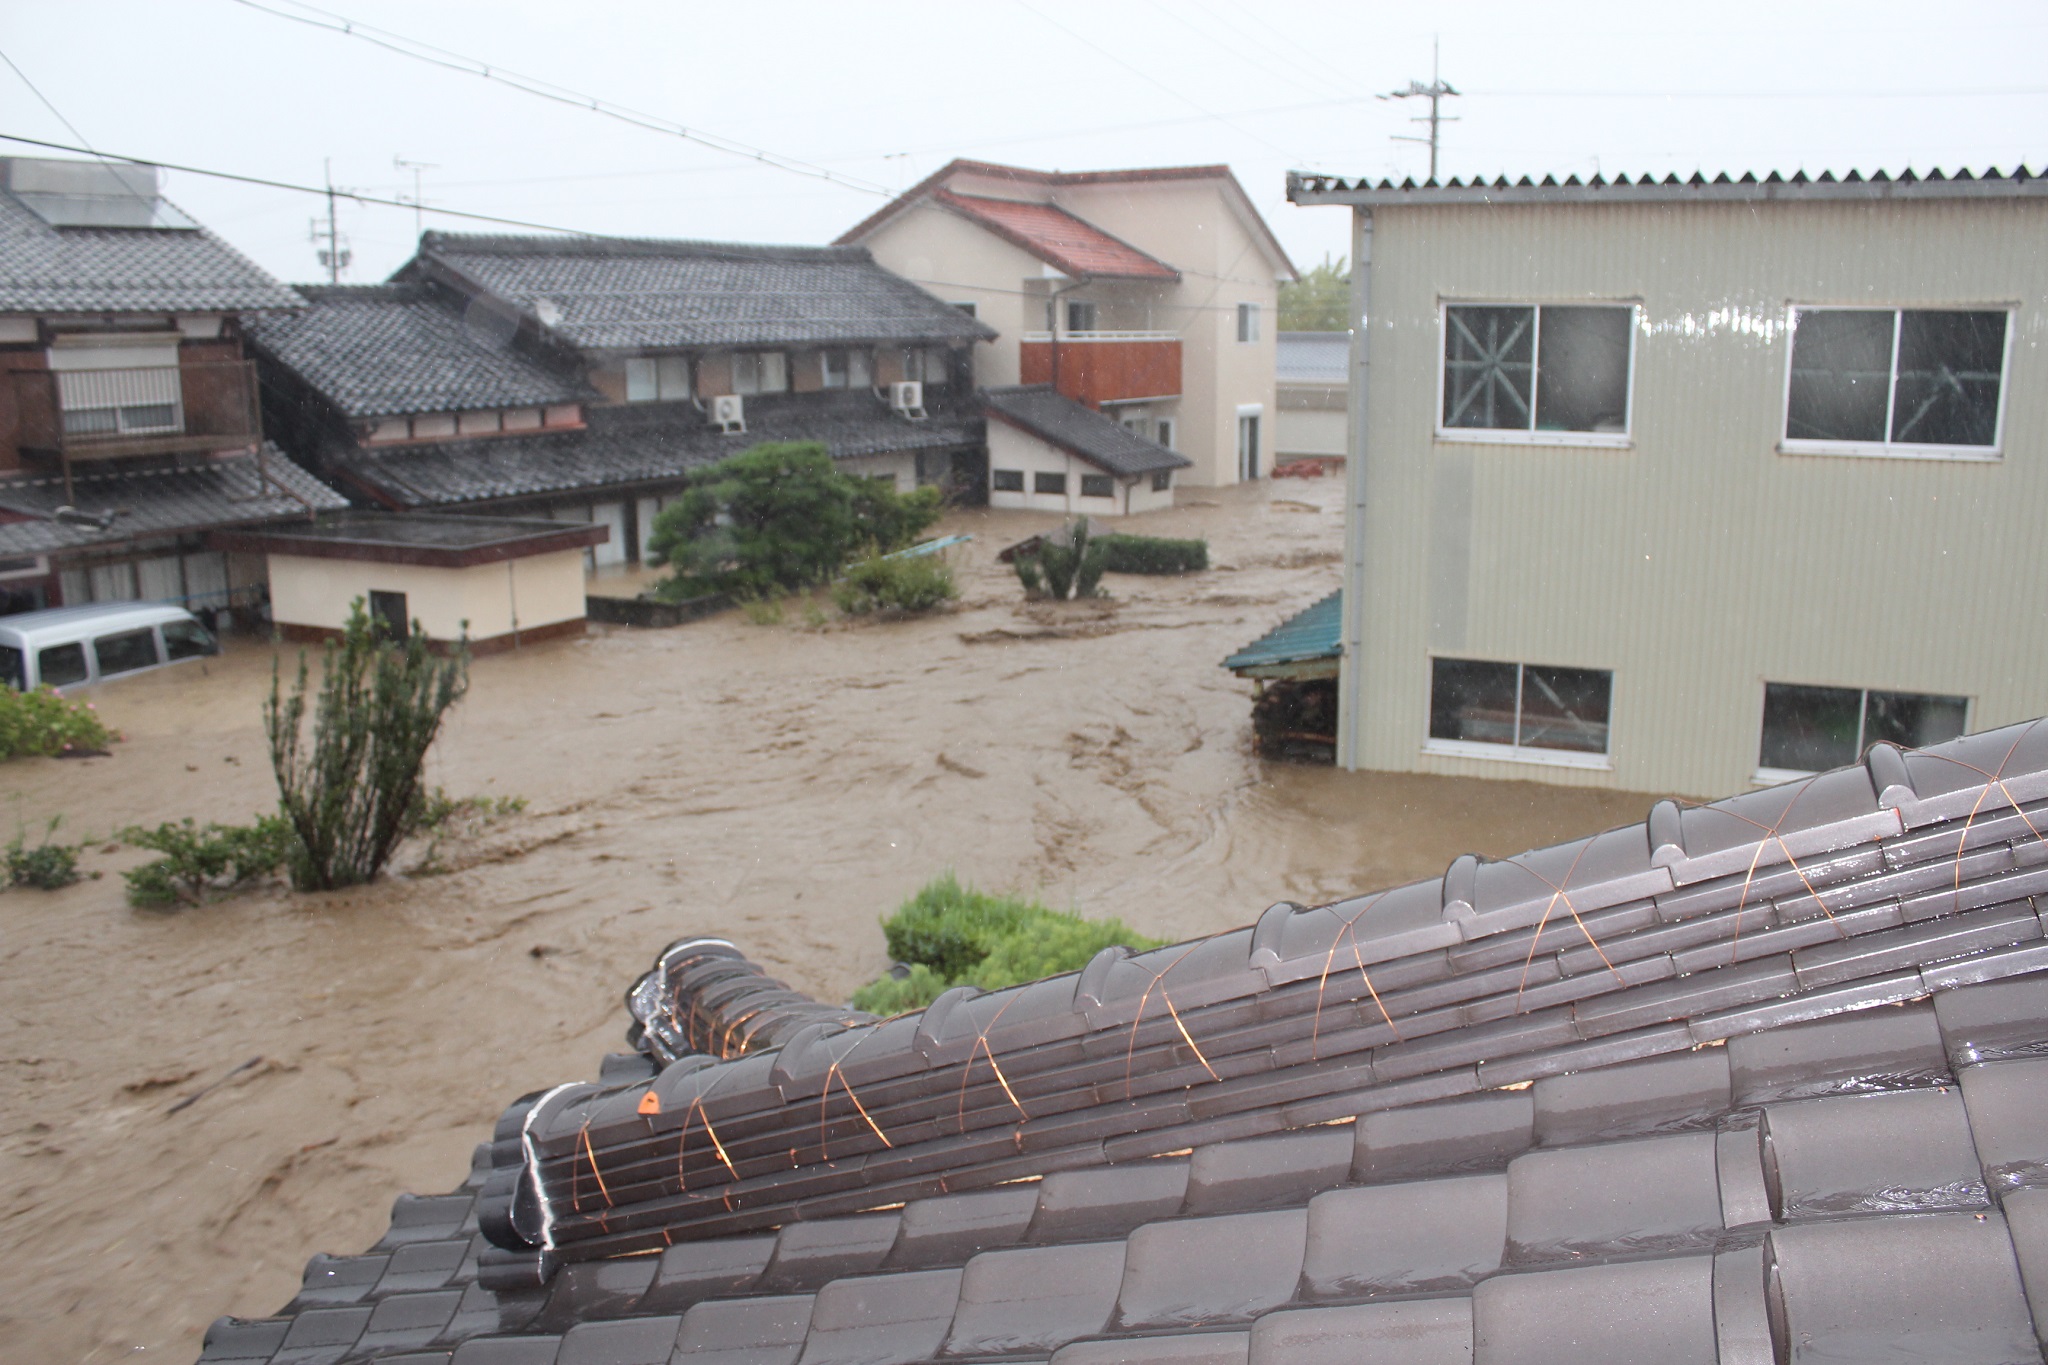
[1672, 486]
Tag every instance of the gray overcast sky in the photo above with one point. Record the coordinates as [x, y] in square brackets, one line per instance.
[886, 92]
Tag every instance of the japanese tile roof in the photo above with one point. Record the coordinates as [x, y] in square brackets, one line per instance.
[58, 270]
[1055, 418]
[1762, 1080]
[393, 349]
[1313, 357]
[1312, 633]
[157, 500]
[627, 294]
[1058, 238]
[631, 444]
[1307, 188]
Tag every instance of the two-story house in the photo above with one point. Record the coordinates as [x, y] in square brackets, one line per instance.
[128, 414]
[1146, 295]
[1673, 486]
[582, 379]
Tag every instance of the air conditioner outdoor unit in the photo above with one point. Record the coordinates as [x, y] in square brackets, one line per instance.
[907, 397]
[729, 412]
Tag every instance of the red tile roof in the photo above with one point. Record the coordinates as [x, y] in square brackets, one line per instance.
[1059, 238]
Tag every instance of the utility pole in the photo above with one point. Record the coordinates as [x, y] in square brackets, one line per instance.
[419, 203]
[1434, 92]
[335, 254]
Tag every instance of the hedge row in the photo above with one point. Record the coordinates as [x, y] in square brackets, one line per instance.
[1154, 555]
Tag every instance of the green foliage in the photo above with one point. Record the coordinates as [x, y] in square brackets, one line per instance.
[357, 792]
[762, 611]
[952, 935]
[47, 866]
[437, 810]
[904, 585]
[1154, 554]
[1320, 301]
[1066, 564]
[200, 860]
[779, 517]
[42, 722]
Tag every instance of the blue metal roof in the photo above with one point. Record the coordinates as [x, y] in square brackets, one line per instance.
[1309, 634]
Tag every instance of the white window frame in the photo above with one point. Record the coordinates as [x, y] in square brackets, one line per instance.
[1610, 440]
[758, 362]
[1516, 753]
[1085, 308]
[1771, 777]
[1887, 449]
[1247, 322]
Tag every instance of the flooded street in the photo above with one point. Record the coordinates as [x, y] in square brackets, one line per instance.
[780, 785]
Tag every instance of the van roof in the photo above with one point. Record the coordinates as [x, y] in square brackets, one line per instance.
[32, 627]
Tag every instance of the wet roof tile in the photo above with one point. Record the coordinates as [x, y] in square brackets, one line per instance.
[1413, 1332]
[1260, 1172]
[1616, 1314]
[1654, 1194]
[951, 1229]
[1482, 1133]
[422, 1265]
[539, 1350]
[235, 1339]
[1742, 1324]
[882, 1319]
[1983, 1023]
[1637, 1097]
[690, 1271]
[333, 1281]
[808, 1254]
[1870, 1154]
[1107, 1201]
[1035, 1298]
[1424, 1236]
[1877, 1050]
[2026, 1219]
[1739, 1168]
[409, 1320]
[595, 1289]
[633, 1341]
[763, 1331]
[1933, 1287]
[322, 1336]
[1202, 1270]
[2008, 1107]
[1191, 1348]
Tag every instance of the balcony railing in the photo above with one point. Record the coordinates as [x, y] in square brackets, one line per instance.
[1103, 367]
[73, 415]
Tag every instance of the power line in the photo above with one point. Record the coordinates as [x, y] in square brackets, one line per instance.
[420, 51]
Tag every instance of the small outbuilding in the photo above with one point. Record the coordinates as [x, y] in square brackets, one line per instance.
[496, 581]
[1047, 453]
[1295, 667]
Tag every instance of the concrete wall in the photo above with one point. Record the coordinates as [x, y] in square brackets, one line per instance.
[1010, 448]
[494, 599]
[1694, 560]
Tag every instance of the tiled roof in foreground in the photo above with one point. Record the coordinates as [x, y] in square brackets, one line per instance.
[1760, 1080]
[138, 503]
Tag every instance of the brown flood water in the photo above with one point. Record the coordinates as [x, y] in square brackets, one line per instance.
[783, 786]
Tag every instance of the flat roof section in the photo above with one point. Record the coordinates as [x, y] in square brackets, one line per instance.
[419, 538]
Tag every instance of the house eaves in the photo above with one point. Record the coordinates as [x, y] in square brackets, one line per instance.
[1307, 189]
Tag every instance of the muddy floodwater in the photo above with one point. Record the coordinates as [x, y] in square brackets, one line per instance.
[781, 785]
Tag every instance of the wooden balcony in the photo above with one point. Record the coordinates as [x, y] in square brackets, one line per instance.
[76, 415]
[1103, 367]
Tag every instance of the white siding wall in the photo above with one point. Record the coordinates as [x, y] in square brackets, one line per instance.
[1009, 448]
[493, 598]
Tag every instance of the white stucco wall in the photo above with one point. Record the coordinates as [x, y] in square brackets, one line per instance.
[1009, 448]
[494, 599]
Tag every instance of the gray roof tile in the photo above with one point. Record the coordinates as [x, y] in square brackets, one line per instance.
[633, 1341]
[882, 1319]
[1870, 1153]
[1850, 1054]
[1738, 1166]
[159, 501]
[234, 1339]
[1990, 1022]
[594, 1289]
[1412, 1332]
[1423, 1236]
[1312, 357]
[1742, 1324]
[1637, 1097]
[1191, 1348]
[1202, 1270]
[2026, 1218]
[690, 1271]
[1107, 1201]
[2008, 1106]
[507, 1351]
[1061, 421]
[1483, 1133]
[619, 294]
[1035, 1298]
[949, 1230]
[409, 1320]
[335, 1281]
[763, 1331]
[1599, 1315]
[1654, 1194]
[1261, 1172]
[808, 1254]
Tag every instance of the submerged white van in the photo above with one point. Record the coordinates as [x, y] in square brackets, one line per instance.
[73, 647]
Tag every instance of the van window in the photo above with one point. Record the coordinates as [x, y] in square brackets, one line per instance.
[187, 640]
[10, 667]
[126, 652]
[61, 665]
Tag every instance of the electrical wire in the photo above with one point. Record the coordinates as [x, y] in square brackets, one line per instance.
[429, 53]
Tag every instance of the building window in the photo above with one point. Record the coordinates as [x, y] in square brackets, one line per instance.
[1006, 480]
[967, 306]
[1547, 370]
[1098, 486]
[1808, 729]
[845, 370]
[652, 379]
[1165, 432]
[1080, 316]
[1162, 479]
[388, 614]
[1055, 484]
[760, 372]
[1247, 322]
[1877, 379]
[1485, 709]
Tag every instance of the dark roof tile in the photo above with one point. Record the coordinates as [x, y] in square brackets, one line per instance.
[1878, 1050]
[1262, 1172]
[882, 1319]
[1599, 1315]
[233, 1339]
[1871, 1154]
[1742, 1324]
[322, 1336]
[1107, 1201]
[1637, 1097]
[1936, 1287]
[157, 500]
[1655, 1194]
[2026, 1219]
[1482, 1133]
[1059, 420]
[763, 1331]
[949, 1230]
[634, 1341]
[334, 1281]
[1202, 1270]
[593, 1289]
[2008, 1108]
[422, 1265]
[690, 1271]
[1413, 1332]
[1423, 1236]
[507, 1351]
[1739, 1168]
[1035, 1298]
[409, 1320]
[808, 1254]
[482, 1312]
[1192, 1348]
[1990, 1022]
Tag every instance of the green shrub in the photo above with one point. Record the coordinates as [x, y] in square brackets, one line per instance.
[47, 866]
[199, 860]
[41, 722]
[762, 611]
[906, 585]
[953, 935]
[1065, 564]
[1154, 554]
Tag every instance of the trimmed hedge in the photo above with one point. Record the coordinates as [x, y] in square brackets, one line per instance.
[906, 585]
[952, 935]
[1154, 554]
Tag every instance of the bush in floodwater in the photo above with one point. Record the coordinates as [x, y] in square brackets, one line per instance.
[1153, 554]
[47, 865]
[953, 935]
[905, 585]
[354, 793]
[200, 860]
[42, 722]
[1066, 563]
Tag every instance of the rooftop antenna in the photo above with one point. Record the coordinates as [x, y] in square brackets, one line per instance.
[419, 203]
[1434, 92]
[335, 255]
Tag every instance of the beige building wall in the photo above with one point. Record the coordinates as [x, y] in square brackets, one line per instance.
[1697, 562]
[1305, 432]
[961, 263]
[1010, 448]
[494, 599]
[897, 466]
